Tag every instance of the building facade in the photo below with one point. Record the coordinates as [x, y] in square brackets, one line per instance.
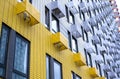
[59, 39]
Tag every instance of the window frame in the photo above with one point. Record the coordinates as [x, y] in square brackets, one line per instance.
[69, 40]
[76, 44]
[57, 26]
[70, 44]
[72, 18]
[85, 36]
[3, 65]
[28, 58]
[47, 18]
[10, 54]
[99, 68]
[51, 67]
[74, 75]
[30, 1]
[88, 58]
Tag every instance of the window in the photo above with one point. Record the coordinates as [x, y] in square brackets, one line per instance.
[82, 33]
[96, 49]
[3, 48]
[19, 0]
[13, 54]
[88, 58]
[47, 17]
[21, 58]
[75, 76]
[69, 40]
[85, 36]
[74, 45]
[89, 13]
[53, 68]
[71, 18]
[54, 0]
[67, 12]
[47, 68]
[99, 68]
[55, 24]
[94, 11]
[93, 32]
[82, 16]
[22, 0]
[30, 1]
[57, 70]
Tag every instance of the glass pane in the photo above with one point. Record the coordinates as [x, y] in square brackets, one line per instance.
[47, 17]
[21, 51]
[19, 0]
[57, 70]
[16, 76]
[74, 45]
[72, 75]
[3, 44]
[71, 19]
[47, 68]
[2, 72]
[77, 77]
[69, 40]
[54, 25]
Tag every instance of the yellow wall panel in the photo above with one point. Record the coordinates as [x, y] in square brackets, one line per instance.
[40, 44]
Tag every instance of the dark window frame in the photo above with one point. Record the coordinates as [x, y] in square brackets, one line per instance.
[96, 48]
[74, 75]
[3, 66]
[69, 40]
[67, 13]
[89, 14]
[88, 58]
[58, 26]
[76, 44]
[28, 58]
[82, 16]
[99, 68]
[30, 1]
[83, 33]
[51, 62]
[73, 18]
[54, 0]
[47, 18]
[86, 36]
[10, 53]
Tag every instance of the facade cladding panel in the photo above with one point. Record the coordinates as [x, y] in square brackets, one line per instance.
[59, 39]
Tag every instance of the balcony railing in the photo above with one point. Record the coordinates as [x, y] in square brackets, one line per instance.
[106, 68]
[83, 7]
[112, 75]
[31, 15]
[86, 26]
[88, 48]
[96, 39]
[72, 7]
[75, 30]
[93, 72]
[103, 50]
[92, 21]
[95, 5]
[59, 41]
[57, 9]
[79, 59]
